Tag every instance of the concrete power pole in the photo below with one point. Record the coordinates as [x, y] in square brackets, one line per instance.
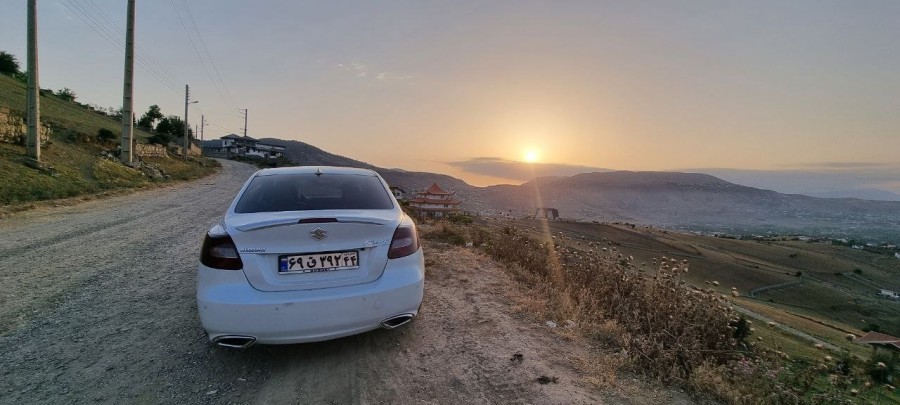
[187, 96]
[128, 90]
[202, 125]
[245, 121]
[33, 142]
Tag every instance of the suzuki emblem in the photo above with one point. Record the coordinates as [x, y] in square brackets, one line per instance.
[318, 233]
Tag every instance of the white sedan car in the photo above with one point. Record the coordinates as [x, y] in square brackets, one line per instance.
[307, 254]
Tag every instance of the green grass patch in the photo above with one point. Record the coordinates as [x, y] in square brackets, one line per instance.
[60, 114]
[110, 174]
[74, 154]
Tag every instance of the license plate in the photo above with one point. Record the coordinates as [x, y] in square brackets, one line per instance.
[318, 262]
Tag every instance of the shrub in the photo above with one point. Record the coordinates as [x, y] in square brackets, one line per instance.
[445, 232]
[741, 329]
[880, 367]
[663, 327]
[105, 135]
[160, 139]
[671, 328]
[872, 327]
[461, 219]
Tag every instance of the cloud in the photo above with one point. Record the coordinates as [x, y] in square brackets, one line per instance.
[389, 76]
[362, 70]
[357, 69]
[513, 170]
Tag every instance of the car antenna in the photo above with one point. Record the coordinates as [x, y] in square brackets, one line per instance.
[318, 171]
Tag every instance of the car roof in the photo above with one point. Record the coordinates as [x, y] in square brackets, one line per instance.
[315, 169]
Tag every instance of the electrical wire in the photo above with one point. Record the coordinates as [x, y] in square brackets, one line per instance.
[141, 53]
[196, 50]
[105, 33]
[206, 51]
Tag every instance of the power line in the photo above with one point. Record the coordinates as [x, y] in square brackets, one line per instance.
[141, 52]
[229, 130]
[103, 25]
[206, 50]
[196, 50]
[104, 32]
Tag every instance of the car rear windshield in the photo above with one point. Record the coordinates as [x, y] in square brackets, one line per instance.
[308, 191]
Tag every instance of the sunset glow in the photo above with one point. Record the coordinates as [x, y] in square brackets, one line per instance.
[443, 87]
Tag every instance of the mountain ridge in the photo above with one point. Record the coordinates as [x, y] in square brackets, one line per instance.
[695, 201]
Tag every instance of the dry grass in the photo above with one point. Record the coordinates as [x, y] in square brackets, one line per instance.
[663, 328]
[667, 329]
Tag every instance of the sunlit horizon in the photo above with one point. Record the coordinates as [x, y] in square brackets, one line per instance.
[760, 87]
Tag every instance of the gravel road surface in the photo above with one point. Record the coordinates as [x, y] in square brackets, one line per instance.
[97, 305]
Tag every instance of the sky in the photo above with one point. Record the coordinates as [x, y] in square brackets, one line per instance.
[799, 96]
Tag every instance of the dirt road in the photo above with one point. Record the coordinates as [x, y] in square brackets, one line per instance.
[97, 306]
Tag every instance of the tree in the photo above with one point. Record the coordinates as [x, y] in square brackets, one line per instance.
[160, 139]
[114, 112]
[172, 125]
[66, 94]
[149, 119]
[9, 65]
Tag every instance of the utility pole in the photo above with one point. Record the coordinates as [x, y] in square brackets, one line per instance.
[33, 142]
[245, 120]
[187, 96]
[187, 102]
[128, 90]
[202, 125]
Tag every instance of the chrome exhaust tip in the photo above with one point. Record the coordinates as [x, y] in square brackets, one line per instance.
[397, 321]
[235, 342]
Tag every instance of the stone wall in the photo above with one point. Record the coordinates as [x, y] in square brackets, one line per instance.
[13, 129]
[193, 150]
[148, 150]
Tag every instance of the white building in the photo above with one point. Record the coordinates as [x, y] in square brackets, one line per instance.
[236, 145]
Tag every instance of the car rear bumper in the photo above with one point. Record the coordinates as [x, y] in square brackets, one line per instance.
[229, 305]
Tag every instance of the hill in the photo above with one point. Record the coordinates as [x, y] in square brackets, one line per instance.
[698, 202]
[827, 281]
[75, 154]
[59, 114]
[691, 201]
[305, 154]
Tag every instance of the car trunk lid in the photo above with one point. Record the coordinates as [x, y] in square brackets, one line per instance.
[358, 239]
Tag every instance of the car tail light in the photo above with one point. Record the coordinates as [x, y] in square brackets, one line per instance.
[404, 243]
[219, 252]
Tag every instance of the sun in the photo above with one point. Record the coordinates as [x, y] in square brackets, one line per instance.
[530, 156]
